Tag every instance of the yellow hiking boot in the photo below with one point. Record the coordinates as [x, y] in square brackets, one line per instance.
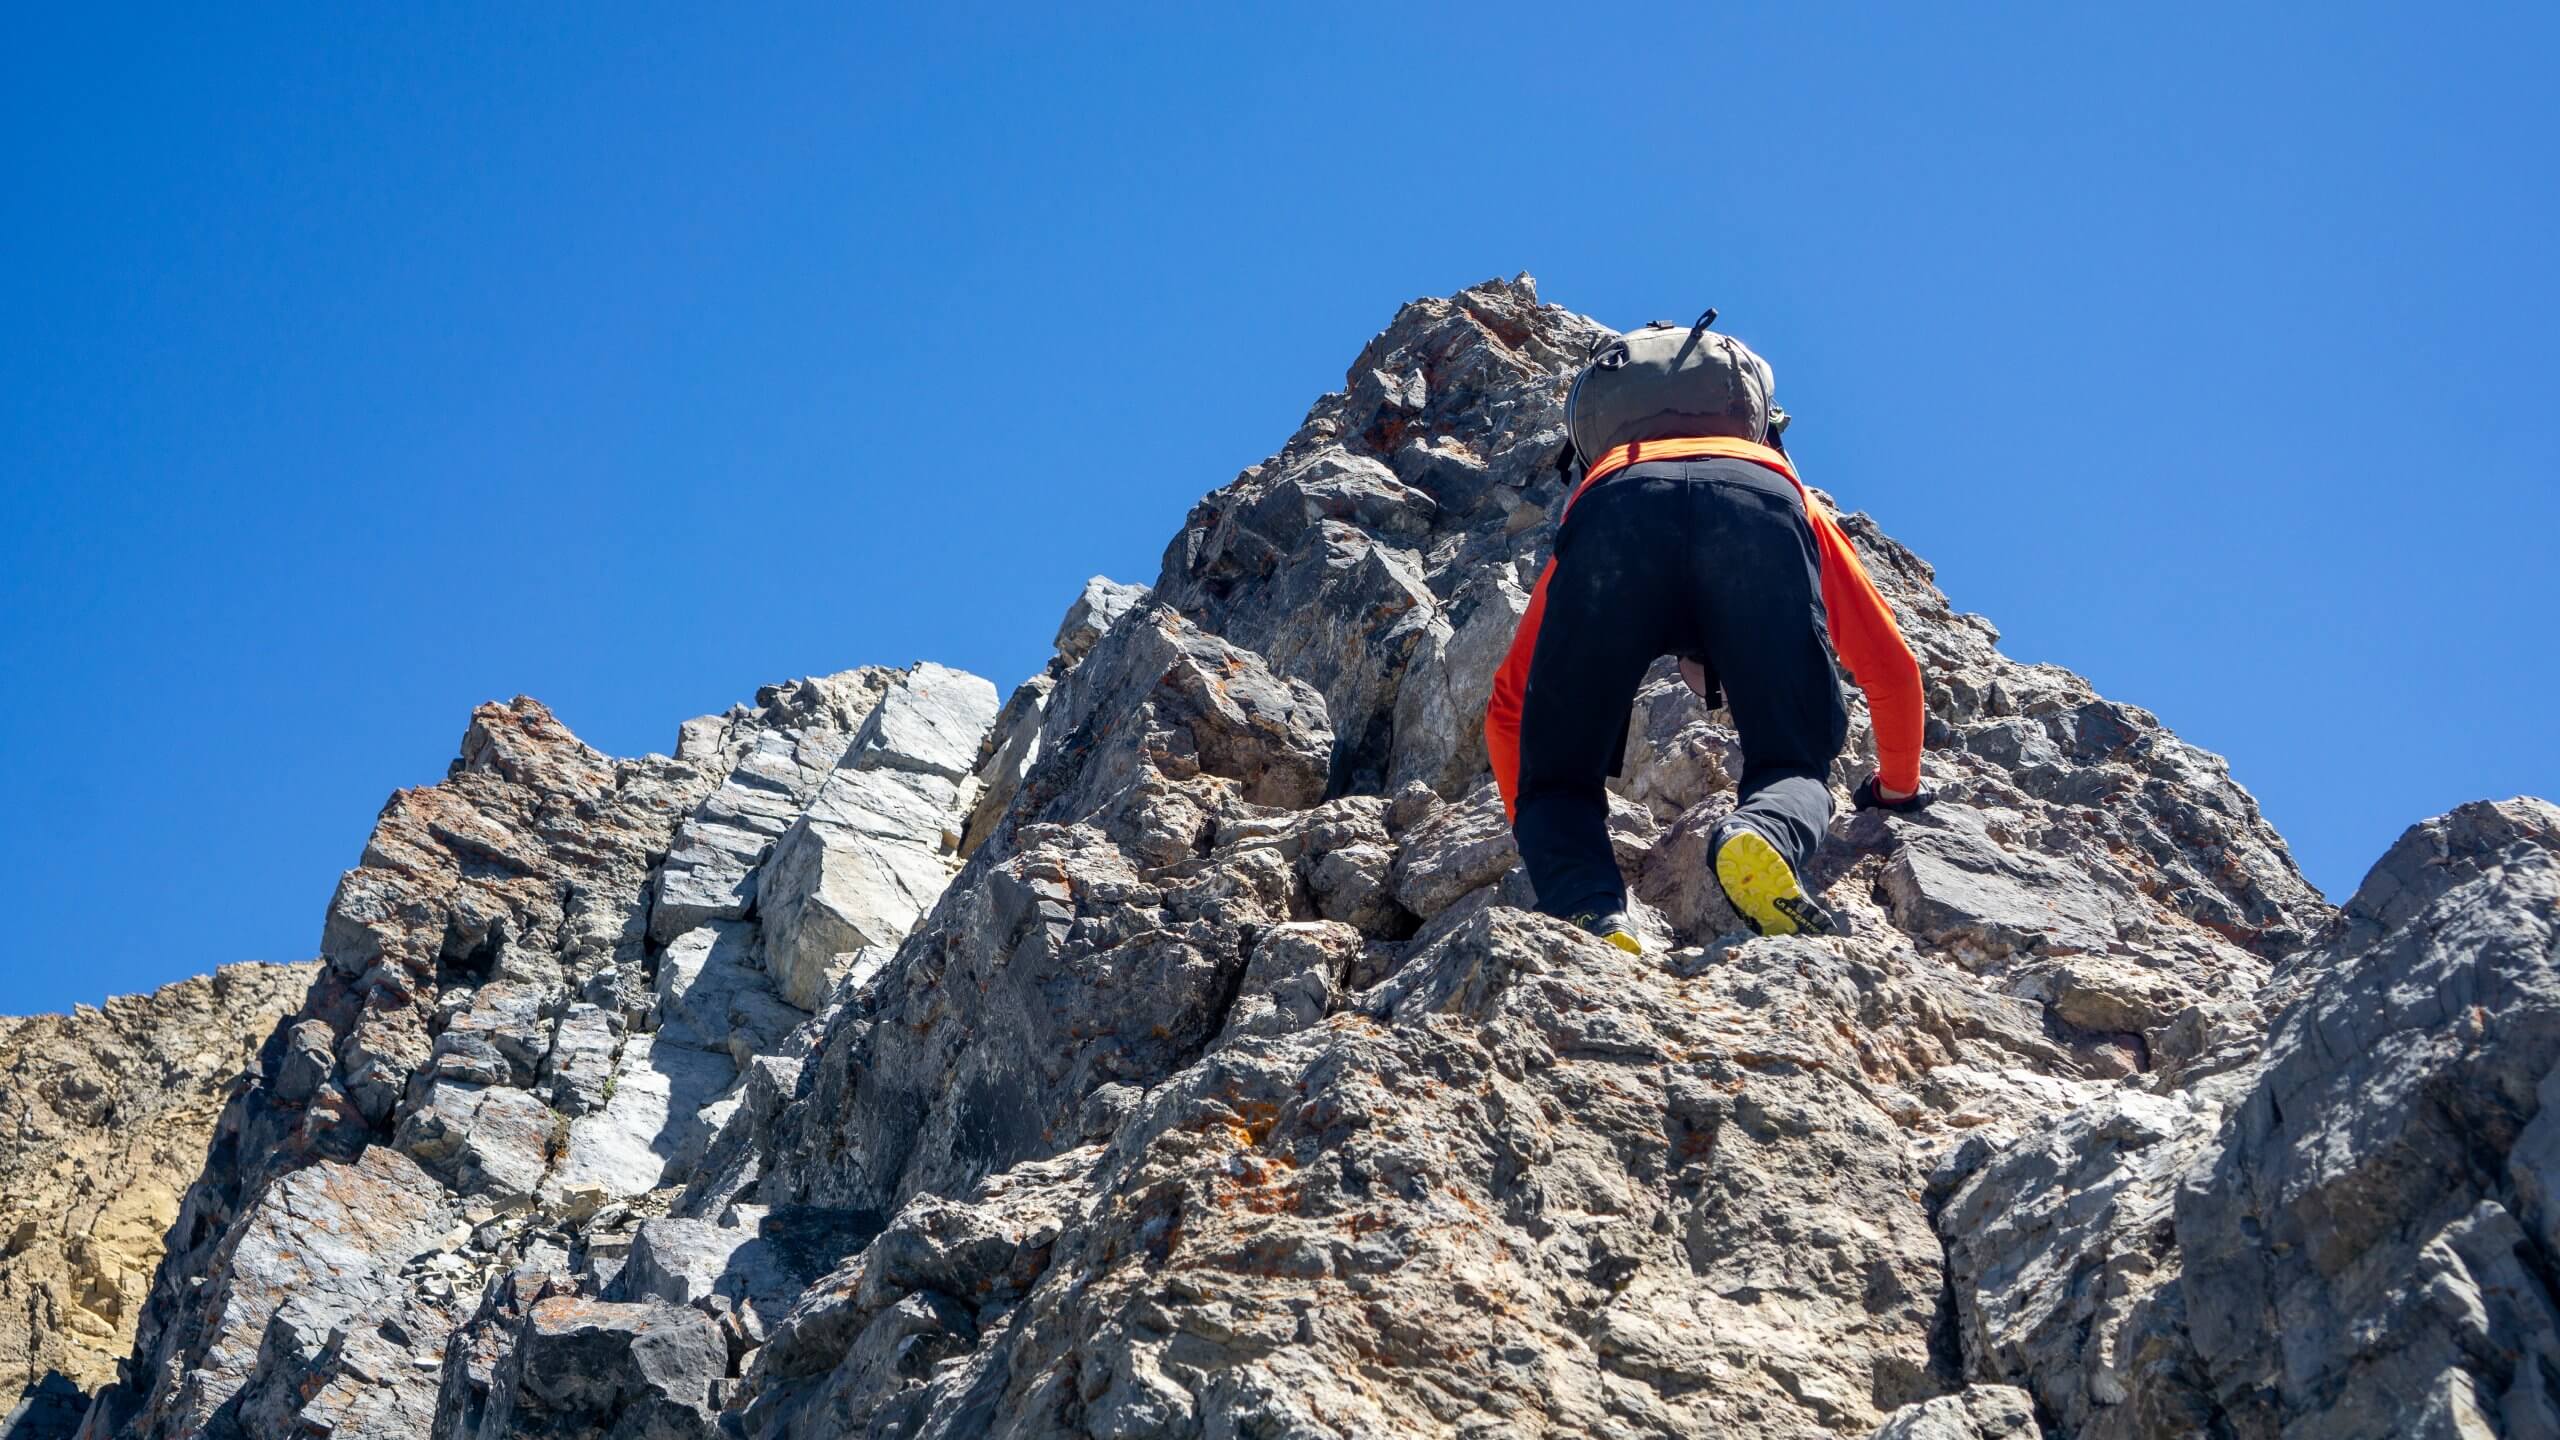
[1611, 926]
[1763, 890]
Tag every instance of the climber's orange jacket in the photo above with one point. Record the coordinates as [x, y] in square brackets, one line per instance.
[1863, 632]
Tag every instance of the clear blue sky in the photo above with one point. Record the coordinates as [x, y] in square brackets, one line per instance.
[359, 363]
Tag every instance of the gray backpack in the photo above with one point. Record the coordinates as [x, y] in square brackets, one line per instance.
[1664, 382]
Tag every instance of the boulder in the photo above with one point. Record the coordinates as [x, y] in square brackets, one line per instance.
[1103, 602]
[590, 1368]
[1981, 1412]
[876, 845]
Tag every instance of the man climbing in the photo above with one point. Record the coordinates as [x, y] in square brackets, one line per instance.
[1690, 535]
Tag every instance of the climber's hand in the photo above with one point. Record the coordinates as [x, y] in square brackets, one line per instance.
[1872, 796]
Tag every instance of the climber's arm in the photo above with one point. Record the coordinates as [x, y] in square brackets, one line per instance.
[1871, 645]
[1510, 688]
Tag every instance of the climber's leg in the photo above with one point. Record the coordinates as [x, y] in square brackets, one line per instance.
[1603, 626]
[1759, 578]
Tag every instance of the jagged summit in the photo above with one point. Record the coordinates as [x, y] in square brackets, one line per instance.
[1164, 1053]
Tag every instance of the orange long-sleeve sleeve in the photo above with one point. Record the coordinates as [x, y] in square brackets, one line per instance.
[1871, 645]
[1510, 687]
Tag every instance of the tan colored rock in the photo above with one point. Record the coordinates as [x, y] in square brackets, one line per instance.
[104, 1118]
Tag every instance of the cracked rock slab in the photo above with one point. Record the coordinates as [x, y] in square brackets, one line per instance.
[654, 1119]
[877, 844]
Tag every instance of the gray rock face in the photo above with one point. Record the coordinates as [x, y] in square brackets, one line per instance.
[2343, 1235]
[1064, 951]
[872, 851]
[483, 906]
[497, 1045]
[2059, 1249]
[310, 1303]
[1168, 1053]
[2375, 1238]
[776, 759]
[713, 994]
[657, 1119]
[1014, 745]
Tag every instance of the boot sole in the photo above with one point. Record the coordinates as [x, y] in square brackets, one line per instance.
[1764, 891]
[1625, 941]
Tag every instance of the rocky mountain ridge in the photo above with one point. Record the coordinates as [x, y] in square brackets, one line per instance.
[1165, 1051]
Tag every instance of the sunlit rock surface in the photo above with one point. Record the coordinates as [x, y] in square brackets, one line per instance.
[1165, 1050]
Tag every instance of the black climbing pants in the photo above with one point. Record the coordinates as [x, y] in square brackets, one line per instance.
[1712, 559]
